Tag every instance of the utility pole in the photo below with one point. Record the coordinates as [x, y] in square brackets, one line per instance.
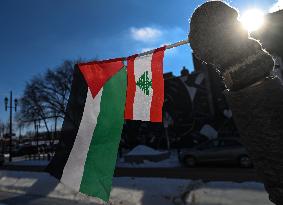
[36, 126]
[2, 144]
[55, 131]
[20, 133]
[166, 125]
[11, 120]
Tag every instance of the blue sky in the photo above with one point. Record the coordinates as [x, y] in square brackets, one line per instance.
[40, 34]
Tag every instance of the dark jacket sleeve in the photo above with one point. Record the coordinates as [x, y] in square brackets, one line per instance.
[258, 114]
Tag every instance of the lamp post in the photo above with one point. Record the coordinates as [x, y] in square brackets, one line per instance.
[6, 100]
[36, 127]
[2, 144]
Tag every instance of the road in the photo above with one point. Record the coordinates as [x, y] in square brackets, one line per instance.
[208, 173]
[205, 173]
[7, 198]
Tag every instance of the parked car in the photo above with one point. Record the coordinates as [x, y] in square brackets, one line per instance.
[225, 150]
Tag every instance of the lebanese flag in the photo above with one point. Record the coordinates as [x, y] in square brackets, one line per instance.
[145, 91]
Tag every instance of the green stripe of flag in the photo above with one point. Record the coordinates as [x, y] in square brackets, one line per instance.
[102, 154]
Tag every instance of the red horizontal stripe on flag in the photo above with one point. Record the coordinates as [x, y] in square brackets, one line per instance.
[157, 85]
[131, 88]
[97, 73]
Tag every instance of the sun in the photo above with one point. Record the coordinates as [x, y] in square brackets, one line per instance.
[252, 19]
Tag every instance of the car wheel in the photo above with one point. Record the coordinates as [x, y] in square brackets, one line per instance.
[245, 161]
[190, 161]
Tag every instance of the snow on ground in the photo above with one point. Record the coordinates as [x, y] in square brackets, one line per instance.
[229, 193]
[143, 191]
[172, 161]
[38, 184]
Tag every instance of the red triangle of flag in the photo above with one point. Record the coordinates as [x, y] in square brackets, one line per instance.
[97, 73]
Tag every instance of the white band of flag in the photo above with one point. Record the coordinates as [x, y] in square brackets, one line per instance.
[145, 91]
[74, 168]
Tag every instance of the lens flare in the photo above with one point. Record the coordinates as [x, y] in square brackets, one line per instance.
[252, 19]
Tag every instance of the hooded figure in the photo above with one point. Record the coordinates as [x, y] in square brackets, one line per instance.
[253, 94]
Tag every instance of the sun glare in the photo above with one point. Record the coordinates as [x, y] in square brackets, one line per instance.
[252, 19]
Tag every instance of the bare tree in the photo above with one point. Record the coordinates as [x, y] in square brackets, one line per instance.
[55, 89]
[45, 96]
[32, 106]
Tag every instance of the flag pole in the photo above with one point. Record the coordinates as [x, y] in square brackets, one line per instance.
[173, 45]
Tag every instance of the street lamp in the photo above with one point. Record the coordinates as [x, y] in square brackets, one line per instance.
[16, 104]
[6, 100]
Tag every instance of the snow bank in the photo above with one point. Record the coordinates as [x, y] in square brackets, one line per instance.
[143, 150]
[40, 184]
[230, 193]
[208, 131]
[172, 161]
[142, 191]
[141, 153]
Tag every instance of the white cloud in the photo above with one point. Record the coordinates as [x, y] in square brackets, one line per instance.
[166, 36]
[277, 6]
[145, 34]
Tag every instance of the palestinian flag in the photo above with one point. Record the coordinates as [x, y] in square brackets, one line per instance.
[145, 92]
[86, 156]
